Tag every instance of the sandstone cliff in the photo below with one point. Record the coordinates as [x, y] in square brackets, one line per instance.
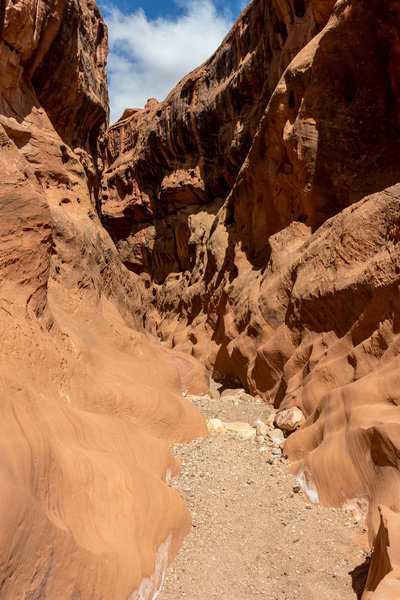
[259, 204]
[88, 402]
[250, 220]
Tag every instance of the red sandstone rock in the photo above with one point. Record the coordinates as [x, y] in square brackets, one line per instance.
[89, 402]
[284, 275]
[384, 575]
[168, 160]
[260, 205]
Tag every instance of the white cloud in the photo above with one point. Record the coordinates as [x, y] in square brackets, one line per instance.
[148, 57]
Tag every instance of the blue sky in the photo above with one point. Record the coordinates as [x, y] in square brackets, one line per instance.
[169, 8]
[153, 44]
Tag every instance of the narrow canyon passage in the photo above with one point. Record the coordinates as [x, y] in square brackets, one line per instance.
[251, 221]
[254, 534]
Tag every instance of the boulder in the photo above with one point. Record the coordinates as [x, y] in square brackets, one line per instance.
[289, 419]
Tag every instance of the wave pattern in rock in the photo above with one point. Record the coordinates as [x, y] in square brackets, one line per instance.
[259, 203]
[88, 402]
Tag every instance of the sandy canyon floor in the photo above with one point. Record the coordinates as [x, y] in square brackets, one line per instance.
[254, 535]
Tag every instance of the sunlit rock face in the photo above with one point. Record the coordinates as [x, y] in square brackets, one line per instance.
[88, 401]
[259, 204]
[251, 221]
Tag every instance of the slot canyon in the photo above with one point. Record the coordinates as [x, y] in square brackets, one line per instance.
[210, 287]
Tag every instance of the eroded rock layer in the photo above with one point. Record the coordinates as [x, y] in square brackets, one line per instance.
[259, 203]
[88, 402]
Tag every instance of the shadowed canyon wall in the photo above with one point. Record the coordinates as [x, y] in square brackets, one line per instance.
[88, 402]
[259, 205]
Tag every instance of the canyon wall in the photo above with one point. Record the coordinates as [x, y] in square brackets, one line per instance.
[251, 221]
[89, 402]
[259, 206]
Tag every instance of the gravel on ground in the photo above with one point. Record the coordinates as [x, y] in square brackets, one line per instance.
[254, 533]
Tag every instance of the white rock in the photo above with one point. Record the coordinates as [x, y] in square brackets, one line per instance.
[261, 429]
[276, 436]
[216, 425]
[241, 429]
[289, 419]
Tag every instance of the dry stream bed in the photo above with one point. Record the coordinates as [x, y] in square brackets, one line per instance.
[254, 534]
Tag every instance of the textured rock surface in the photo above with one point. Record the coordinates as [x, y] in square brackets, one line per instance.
[88, 403]
[261, 208]
[289, 419]
[257, 211]
[170, 159]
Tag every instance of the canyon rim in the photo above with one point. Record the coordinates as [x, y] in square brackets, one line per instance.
[250, 222]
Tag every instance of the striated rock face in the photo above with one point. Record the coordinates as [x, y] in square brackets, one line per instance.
[251, 221]
[260, 205]
[88, 402]
[170, 159]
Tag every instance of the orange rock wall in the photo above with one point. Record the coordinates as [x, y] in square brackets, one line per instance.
[259, 203]
[89, 403]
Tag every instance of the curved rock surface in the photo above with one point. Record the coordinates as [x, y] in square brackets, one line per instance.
[259, 203]
[89, 402]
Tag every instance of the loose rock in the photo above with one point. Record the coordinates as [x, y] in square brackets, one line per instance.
[216, 425]
[290, 419]
[276, 436]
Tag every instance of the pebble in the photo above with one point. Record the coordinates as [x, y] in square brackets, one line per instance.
[215, 425]
[261, 429]
[241, 429]
[276, 436]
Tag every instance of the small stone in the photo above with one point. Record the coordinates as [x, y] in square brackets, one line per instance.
[269, 421]
[276, 436]
[260, 438]
[241, 429]
[296, 489]
[261, 428]
[289, 419]
[216, 425]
